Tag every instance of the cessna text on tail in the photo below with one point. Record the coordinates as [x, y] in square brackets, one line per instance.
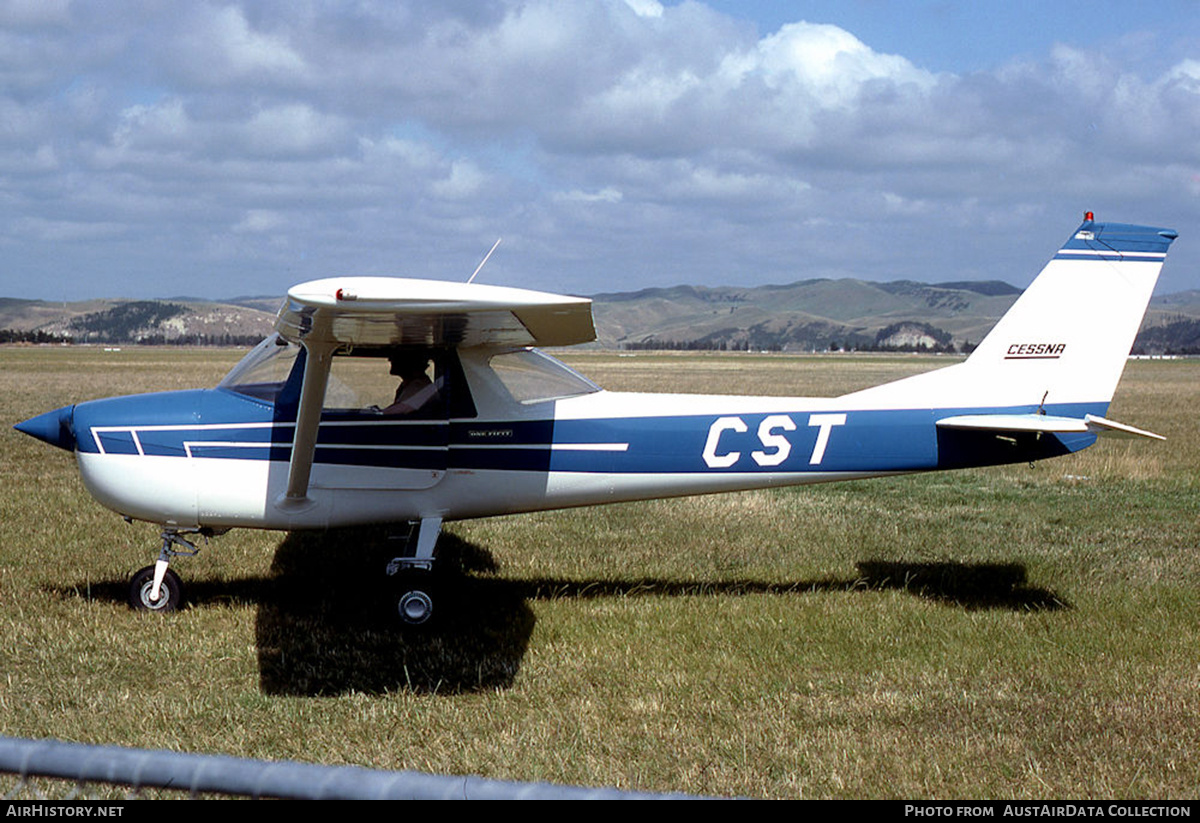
[382, 400]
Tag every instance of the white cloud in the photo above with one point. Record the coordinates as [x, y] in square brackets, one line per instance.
[1186, 72]
[354, 136]
[828, 64]
[164, 123]
[23, 13]
[68, 231]
[465, 181]
[293, 129]
[40, 161]
[244, 50]
[605, 195]
[646, 8]
[259, 221]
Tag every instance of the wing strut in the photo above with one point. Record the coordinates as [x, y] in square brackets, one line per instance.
[308, 419]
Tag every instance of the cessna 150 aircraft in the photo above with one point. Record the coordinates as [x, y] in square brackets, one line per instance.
[305, 433]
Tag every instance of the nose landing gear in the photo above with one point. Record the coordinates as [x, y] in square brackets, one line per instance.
[170, 591]
[156, 588]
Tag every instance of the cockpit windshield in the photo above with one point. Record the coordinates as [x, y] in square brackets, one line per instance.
[262, 373]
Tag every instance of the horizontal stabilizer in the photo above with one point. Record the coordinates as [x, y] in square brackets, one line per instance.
[1088, 424]
[1102, 425]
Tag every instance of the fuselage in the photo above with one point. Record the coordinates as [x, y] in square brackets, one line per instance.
[219, 457]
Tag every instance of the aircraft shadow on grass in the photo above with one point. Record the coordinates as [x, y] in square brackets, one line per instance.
[323, 627]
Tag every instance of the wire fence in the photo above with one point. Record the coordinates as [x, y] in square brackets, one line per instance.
[92, 772]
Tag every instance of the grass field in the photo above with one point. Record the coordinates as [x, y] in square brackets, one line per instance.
[1019, 632]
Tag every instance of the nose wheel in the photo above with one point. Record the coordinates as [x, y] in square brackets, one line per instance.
[156, 588]
[141, 591]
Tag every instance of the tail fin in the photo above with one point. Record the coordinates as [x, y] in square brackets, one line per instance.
[1066, 339]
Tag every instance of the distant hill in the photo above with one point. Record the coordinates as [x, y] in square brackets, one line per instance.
[804, 316]
[182, 321]
[1180, 336]
[810, 315]
[1172, 325]
[817, 315]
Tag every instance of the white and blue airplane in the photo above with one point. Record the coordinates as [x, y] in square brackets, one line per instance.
[306, 433]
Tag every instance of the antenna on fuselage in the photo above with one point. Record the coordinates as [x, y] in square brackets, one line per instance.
[486, 257]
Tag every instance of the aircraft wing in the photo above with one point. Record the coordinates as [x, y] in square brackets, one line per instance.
[391, 311]
[1089, 423]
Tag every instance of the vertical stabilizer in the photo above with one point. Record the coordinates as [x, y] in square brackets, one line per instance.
[1065, 340]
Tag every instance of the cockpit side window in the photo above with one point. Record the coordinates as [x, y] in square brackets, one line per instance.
[532, 377]
[410, 382]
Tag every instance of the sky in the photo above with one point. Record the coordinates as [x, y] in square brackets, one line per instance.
[222, 149]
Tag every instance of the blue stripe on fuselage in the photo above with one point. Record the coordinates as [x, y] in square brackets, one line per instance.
[217, 424]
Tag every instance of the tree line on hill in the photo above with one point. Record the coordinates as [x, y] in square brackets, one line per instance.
[1178, 336]
[653, 344]
[905, 336]
[26, 336]
[39, 337]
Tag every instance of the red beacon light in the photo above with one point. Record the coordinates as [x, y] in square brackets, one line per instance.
[1088, 217]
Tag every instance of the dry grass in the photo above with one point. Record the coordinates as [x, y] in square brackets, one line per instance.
[1015, 632]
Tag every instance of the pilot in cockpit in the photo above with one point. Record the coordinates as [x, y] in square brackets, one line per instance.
[416, 392]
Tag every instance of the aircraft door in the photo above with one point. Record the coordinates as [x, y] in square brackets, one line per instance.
[385, 424]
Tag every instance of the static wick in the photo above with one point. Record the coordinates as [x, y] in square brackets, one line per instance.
[486, 257]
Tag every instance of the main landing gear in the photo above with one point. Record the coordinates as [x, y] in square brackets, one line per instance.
[156, 588]
[412, 574]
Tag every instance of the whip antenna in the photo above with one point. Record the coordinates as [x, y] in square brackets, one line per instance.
[485, 259]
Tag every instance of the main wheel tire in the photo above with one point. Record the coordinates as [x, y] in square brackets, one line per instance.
[415, 602]
[170, 594]
[415, 607]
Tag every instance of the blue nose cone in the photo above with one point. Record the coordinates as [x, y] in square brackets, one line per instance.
[54, 427]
